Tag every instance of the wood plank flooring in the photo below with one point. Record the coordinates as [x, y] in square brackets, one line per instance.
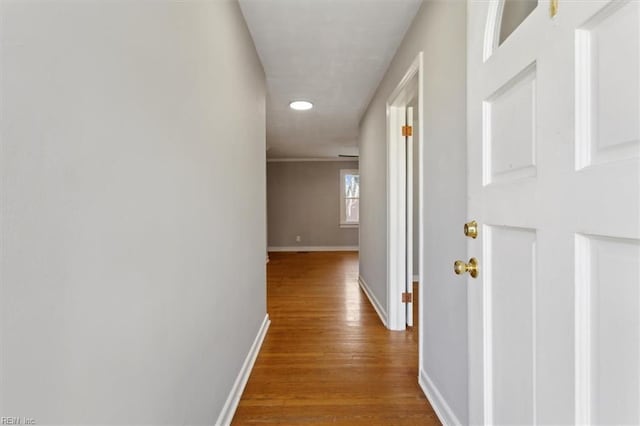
[327, 358]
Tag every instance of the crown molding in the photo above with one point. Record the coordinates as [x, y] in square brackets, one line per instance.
[293, 160]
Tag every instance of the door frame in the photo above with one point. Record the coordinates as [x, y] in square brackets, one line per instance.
[410, 84]
[409, 215]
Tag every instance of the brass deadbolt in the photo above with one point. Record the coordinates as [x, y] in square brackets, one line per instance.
[471, 229]
[459, 267]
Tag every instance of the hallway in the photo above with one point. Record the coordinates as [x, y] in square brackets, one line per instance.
[327, 358]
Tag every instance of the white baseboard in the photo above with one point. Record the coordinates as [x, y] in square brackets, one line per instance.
[416, 279]
[374, 301]
[443, 411]
[315, 248]
[231, 404]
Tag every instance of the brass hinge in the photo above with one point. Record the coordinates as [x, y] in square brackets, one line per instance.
[407, 297]
[407, 131]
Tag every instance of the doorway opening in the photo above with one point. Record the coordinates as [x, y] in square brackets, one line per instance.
[405, 178]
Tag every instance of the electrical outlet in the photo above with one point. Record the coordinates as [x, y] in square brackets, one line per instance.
[298, 239]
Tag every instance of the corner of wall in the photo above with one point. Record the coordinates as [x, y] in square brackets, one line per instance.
[231, 404]
[380, 310]
[437, 401]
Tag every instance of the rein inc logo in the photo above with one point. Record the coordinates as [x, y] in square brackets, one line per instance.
[17, 421]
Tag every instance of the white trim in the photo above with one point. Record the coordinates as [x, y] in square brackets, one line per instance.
[349, 225]
[374, 300]
[314, 248]
[416, 279]
[231, 404]
[582, 327]
[396, 192]
[421, 198]
[487, 326]
[583, 102]
[294, 160]
[492, 28]
[438, 403]
[534, 331]
[409, 221]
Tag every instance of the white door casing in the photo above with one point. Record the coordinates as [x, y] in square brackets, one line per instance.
[397, 250]
[409, 217]
[554, 182]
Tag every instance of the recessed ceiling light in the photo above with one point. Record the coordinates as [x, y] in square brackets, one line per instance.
[301, 105]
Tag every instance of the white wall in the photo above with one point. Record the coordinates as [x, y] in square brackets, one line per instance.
[133, 205]
[439, 30]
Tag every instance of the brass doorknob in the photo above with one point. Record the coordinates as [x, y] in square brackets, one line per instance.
[459, 267]
[471, 229]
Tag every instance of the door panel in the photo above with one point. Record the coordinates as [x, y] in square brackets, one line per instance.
[608, 85]
[510, 336]
[554, 182]
[608, 329]
[509, 129]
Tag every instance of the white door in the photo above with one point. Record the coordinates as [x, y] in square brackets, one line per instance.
[409, 212]
[554, 183]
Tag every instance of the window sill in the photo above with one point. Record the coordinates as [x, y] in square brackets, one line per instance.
[349, 225]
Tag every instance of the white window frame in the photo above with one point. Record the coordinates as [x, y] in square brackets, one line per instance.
[343, 217]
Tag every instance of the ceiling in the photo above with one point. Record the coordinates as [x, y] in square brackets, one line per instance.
[333, 53]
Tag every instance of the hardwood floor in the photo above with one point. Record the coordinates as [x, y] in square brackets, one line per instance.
[327, 358]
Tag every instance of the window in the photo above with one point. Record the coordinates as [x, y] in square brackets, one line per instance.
[514, 12]
[349, 198]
